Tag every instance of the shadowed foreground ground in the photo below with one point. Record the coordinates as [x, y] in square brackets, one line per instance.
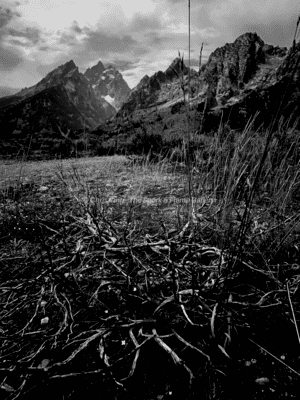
[108, 289]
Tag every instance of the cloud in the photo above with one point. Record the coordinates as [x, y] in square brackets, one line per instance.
[57, 14]
[10, 59]
[142, 23]
[138, 37]
[6, 15]
[277, 33]
[75, 27]
[68, 39]
[121, 64]
[26, 37]
[43, 70]
[100, 41]
[234, 17]
[264, 11]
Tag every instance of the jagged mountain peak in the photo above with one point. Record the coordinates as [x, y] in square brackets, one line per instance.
[249, 37]
[56, 76]
[64, 92]
[230, 67]
[64, 70]
[69, 65]
[176, 69]
[108, 83]
[94, 73]
[177, 62]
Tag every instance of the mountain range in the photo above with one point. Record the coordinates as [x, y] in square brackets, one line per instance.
[247, 80]
[232, 73]
[240, 81]
[64, 100]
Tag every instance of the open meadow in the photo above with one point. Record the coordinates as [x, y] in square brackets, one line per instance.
[149, 280]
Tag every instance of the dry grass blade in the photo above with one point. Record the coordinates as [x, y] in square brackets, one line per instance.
[78, 350]
[172, 298]
[223, 351]
[229, 322]
[212, 320]
[293, 312]
[190, 345]
[276, 358]
[186, 315]
[102, 354]
[175, 357]
[136, 356]
[105, 360]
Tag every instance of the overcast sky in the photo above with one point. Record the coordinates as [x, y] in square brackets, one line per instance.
[139, 36]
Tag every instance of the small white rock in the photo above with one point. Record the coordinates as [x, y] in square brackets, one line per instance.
[262, 381]
[44, 321]
[44, 363]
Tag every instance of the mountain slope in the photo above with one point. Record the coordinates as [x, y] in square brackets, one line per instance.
[48, 110]
[72, 105]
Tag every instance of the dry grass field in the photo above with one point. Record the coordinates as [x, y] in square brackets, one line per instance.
[114, 283]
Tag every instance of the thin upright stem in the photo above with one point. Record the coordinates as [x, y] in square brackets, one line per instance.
[190, 183]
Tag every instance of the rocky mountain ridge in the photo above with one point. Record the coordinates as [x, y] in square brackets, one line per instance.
[85, 104]
[240, 80]
[157, 89]
[270, 93]
[230, 70]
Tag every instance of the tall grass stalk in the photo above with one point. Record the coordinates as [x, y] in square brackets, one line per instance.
[189, 161]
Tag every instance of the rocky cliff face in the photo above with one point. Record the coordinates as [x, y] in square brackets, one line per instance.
[268, 91]
[158, 89]
[108, 84]
[230, 67]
